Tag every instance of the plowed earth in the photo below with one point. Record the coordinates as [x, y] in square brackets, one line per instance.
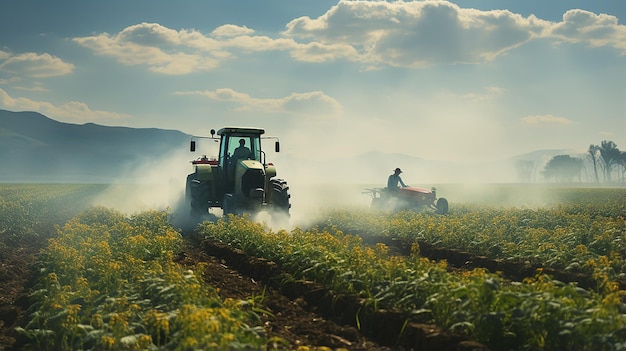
[299, 313]
[15, 274]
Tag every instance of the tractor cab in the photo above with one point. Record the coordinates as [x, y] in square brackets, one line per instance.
[239, 180]
[236, 145]
[240, 143]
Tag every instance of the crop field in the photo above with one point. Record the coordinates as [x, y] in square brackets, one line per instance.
[508, 271]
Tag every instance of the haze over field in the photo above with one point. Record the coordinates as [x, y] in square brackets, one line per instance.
[147, 168]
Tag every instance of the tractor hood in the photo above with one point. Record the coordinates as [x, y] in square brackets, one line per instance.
[413, 189]
[250, 164]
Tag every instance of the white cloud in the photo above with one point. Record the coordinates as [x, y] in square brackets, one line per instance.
[35, 65]
[421, 33]
[315, 102]
[412, 34]
[167, 51]
[252, 44]
[318, 52]
[149, 34]
[581, 26]
[162, 49]
[546, 120]
[231, 30]
[374, 33]
[72, 110]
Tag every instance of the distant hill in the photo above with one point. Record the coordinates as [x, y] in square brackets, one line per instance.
[35, 148]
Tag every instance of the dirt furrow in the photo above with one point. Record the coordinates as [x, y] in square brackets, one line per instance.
[376, 327]
[292, 319]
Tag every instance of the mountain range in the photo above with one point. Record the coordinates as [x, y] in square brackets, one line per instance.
[35, 148]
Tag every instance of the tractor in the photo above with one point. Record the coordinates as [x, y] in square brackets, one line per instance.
[407, 198]
[239, 180]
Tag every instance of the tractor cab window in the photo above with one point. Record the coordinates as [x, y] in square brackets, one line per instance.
[243, 148]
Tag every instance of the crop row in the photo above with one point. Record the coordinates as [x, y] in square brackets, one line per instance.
[583, 232]
[536, 314]
[108, 281]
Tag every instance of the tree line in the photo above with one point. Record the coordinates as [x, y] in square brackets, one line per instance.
[603, 163]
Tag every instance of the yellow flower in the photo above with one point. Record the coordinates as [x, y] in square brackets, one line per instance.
[107, 341]
[591, 263]
[612, 287]
[612, 299]
[190, 342]
[145, 341]
[225, 313]
[603, 261]
[96, 321]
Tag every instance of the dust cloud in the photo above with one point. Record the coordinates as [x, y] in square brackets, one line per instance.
[315, 186]
[159, 184]
[153, 184]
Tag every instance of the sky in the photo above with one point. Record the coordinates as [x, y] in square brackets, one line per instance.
[439, 80]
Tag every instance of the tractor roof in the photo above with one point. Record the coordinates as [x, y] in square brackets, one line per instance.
[240, 130]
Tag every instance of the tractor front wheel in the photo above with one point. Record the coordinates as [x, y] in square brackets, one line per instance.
[197, 192]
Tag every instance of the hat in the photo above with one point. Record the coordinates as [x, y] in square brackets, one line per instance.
[397, 170]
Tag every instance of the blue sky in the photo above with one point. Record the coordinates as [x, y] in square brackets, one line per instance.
[452, 81]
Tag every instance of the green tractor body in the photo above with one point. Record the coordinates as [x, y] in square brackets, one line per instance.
[239, 180]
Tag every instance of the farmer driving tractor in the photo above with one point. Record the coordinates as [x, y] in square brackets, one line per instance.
[394, 179]
[242, 151]
[398, 196]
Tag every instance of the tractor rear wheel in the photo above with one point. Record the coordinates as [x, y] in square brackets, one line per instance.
[280, 201]
[442, 206]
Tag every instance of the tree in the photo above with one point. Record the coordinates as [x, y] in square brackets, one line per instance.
[593, 155]
[563, 168]
[611, 156]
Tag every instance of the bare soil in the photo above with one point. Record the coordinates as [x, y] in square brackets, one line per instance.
[306, 313]
[292, 320]
[15, 275]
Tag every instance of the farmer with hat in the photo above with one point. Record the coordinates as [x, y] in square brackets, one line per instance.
[394, 179]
